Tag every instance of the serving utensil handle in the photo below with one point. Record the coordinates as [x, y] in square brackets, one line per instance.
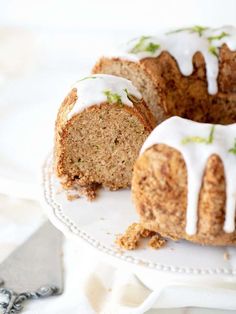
[13, 302]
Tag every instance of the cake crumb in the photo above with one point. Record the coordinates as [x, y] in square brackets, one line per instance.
[89, 192]
[226, 256]
[157, 242]
[145, 233]
[131, 238]
[72, 197]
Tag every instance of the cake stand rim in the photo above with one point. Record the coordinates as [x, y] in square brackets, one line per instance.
[55, 214]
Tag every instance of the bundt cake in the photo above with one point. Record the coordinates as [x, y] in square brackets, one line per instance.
[189, 72]
[99, 131]
[184, 184]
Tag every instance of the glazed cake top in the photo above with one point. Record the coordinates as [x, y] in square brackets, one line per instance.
[100, 88]
[197, 142]
[182, 44]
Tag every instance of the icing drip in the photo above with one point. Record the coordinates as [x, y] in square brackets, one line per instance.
[99, 88]
[197, 142]
[182, 44]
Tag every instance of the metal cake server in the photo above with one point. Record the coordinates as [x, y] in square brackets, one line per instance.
[34, 270]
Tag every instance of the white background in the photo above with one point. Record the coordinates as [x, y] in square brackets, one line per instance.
[136, 15]
[46, 45]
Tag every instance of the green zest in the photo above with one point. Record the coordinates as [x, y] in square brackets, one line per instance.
[112, 97]
[233, 149]
[198, 29]
[198, 139]
[218, 37]
[142, 46]
[195, 29]
[214, 51]
[151, 47]
[87, 78]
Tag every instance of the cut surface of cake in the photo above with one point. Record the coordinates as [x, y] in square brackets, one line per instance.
[99, 130]
[189, 72]
[184, 183]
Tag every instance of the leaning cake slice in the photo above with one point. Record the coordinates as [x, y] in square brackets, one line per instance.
[100, 128]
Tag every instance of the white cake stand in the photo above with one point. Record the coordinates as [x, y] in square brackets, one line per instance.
[181, 274]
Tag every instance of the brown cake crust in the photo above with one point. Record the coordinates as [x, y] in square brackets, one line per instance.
[99, 145]
[159, 191]
[170, 93]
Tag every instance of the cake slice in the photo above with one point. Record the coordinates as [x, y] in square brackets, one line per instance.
[100, 128]
[143, 80]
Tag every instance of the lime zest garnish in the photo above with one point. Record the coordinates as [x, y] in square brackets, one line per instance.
[151, 47]
[217, 37]
[198, 139]
[214, 51]
[233, 149]
[112, 97]
[142, 46]
[195, 29]
[87, 78]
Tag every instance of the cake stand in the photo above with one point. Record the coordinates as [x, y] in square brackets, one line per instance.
[180, 274]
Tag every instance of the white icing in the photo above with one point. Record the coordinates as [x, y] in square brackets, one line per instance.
[92, 91]
[172, 132]
[182, 46]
